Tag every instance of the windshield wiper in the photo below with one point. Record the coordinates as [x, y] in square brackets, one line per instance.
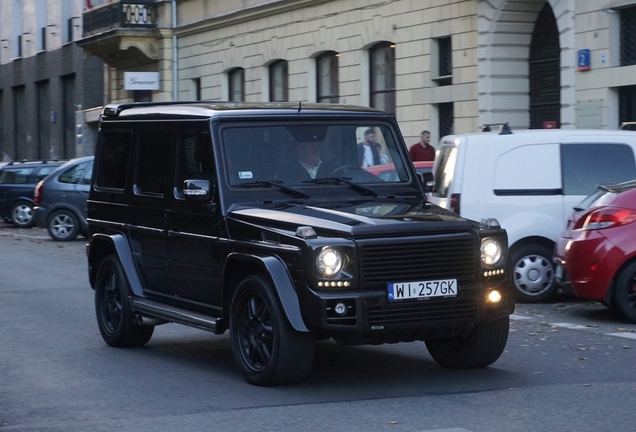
[287, 190]
[340, 180]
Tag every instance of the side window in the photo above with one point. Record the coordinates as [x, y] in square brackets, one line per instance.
[44, 171]
[196, 157]
[88, 174]
[153, 154]
[15, 176]
[72, 175]
[584, 166]
[113, 156]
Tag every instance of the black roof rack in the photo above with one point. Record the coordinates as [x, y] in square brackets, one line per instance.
[41, 161]
[504, 128]
[628, 126]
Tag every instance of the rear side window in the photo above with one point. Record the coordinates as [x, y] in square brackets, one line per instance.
[15, 176]
[585, 166]
[72, 175]
[153, 161]
[88, 175]
[44, 171]
[113, 156]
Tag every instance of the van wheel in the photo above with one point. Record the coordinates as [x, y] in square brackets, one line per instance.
[22, 214]
[480, 348]
[115, 316]
[625, 292]
[533, 274]
[63, 225]
[267, 349]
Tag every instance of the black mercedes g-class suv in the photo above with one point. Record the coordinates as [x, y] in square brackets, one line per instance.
[268, 220]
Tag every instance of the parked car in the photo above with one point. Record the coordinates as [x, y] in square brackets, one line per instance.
[387, 172]
[60, 199]
[17, 184]
[190, 222]
[596, 253]
[529, 180]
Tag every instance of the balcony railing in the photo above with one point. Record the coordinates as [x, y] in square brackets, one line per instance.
[124, 14]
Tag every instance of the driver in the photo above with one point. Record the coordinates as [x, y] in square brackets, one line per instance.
[307, 165]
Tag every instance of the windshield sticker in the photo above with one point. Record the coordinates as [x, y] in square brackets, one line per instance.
[245, 175]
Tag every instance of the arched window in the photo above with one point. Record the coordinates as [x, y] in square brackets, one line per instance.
[278, 81]
[237, 84]
[327, 77]
[382, 57]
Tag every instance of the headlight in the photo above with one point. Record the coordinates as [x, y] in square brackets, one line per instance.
[490, 252]
[329, 262]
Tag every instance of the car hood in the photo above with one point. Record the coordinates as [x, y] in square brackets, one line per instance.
[361, 219]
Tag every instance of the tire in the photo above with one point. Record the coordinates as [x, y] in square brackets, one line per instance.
[533, 274]
[115, 317]
[480, 348]
[625, 292]
[266, 348]
[22, 214]
[63, 225]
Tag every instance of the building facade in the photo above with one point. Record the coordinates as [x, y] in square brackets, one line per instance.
[445, 66]
[46, 83]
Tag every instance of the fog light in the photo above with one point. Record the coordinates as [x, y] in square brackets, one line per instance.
[494, 296]
[341, 308]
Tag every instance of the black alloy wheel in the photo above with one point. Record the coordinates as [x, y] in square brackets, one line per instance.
[625, 292]
[115, 317]
[267, 349]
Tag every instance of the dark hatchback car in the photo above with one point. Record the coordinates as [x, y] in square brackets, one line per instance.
[257, 218]
[17, 184]
[60, 199]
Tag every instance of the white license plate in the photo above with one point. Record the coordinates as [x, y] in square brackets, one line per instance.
[422, 290]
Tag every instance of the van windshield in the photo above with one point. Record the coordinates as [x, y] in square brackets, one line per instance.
[300, 154]
[444, 170]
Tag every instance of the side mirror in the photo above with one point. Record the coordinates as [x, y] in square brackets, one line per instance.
[196, 190]
[428, 181]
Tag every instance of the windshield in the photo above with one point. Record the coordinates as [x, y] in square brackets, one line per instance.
[300, 154]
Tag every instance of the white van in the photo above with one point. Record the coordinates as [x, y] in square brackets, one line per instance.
[529, 181]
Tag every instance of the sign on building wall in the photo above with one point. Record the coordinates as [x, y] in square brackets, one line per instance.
[141, 80]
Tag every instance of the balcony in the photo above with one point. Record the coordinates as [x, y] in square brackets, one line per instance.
[124, 33]
[140, 14]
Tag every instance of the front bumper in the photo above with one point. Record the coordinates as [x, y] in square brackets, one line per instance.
[370, 316]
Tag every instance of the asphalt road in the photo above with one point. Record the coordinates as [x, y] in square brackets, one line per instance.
[568, 366]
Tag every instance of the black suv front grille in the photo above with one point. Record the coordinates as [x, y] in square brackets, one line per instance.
[419, 259]
[422, 311]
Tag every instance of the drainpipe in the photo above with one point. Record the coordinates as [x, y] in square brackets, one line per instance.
[175, 58]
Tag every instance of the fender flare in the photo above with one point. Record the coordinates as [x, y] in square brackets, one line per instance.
[278, 272]
[121, 248]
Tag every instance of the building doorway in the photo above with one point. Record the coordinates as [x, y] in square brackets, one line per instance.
[545, 71]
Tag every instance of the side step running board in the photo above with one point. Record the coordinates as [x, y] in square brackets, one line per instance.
[174, 314]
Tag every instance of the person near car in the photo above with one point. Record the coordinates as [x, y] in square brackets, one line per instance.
[369, 153]
[423, 150]
[308, 165]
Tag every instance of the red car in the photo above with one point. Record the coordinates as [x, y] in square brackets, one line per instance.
[387, 171]
[596, 253]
